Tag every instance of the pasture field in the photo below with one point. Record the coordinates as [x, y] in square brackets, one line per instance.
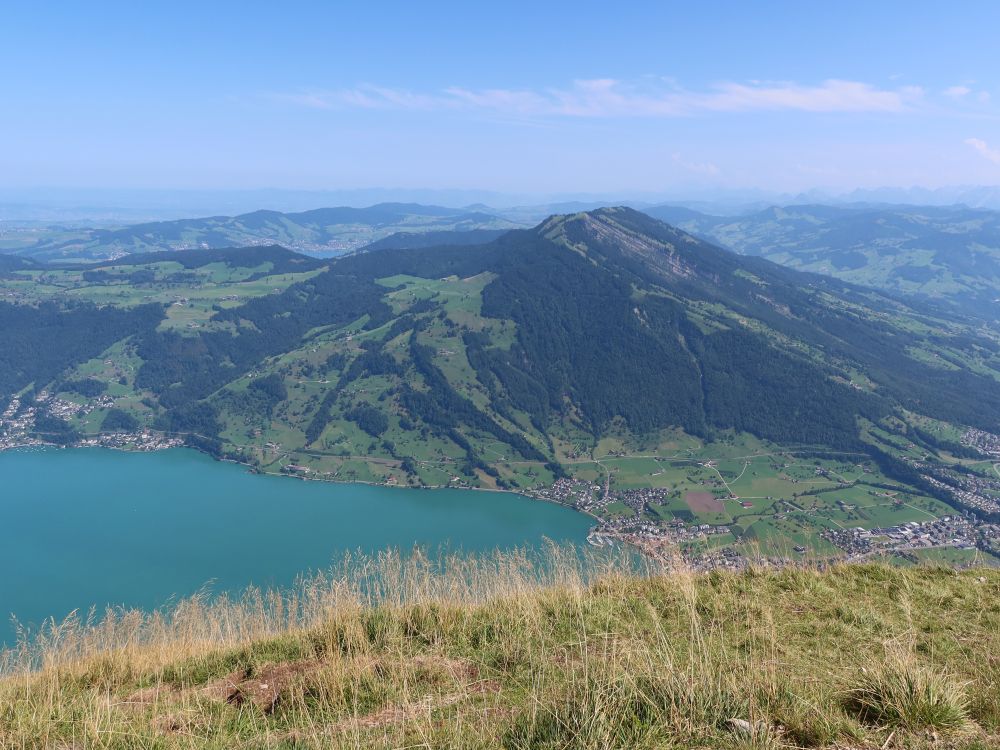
[952, 557]
[779, 536]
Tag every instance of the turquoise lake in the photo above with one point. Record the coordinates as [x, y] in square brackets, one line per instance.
[82, 527]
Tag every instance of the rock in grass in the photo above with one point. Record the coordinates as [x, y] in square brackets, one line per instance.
[740, 725]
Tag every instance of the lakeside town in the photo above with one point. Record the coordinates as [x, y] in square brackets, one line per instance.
[17, 426]
[982, 441]
[949, 531]
[693, 541]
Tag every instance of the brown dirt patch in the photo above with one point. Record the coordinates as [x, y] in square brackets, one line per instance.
[264, 689]
[703, 502]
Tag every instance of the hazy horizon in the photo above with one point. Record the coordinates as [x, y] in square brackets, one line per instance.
[133, 205]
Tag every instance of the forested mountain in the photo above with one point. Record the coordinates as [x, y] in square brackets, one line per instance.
[948, 253]
[325, 231]
[584, 323]
[593, 354]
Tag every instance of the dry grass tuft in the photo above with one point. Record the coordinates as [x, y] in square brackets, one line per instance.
[904, 694]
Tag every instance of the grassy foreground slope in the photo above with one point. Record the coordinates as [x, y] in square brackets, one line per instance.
[495, 654]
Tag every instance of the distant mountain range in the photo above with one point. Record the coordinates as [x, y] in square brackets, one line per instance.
[946, 253]
[974, 196]
[939, 253]
[324, 232]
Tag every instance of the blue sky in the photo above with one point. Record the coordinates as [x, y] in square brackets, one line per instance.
[524, 97]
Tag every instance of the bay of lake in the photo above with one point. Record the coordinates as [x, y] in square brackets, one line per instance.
[91, 526]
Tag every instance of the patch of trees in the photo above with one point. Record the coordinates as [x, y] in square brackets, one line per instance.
[281, 259]
[372, 361]
[38, 343]
[508, 386]
[441, 407]
[434, 263]
[753, 387]
[411, 240]
[55, 430]
[335, 361]
[89, 387]
[270, 387]
[118, 420]
[369, 419]
[321, 418]
[10, 263]
[199, 419]
[940, 444]
[258, 400]
[400, 325]
[142, 276]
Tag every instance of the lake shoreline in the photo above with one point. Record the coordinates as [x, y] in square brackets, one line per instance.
[252, 469]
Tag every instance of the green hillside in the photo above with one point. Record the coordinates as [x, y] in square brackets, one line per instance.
[503, 653]
[684, 395]
[945, 253]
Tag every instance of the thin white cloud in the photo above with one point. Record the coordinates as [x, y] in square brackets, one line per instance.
[831, 96]
[605, 97]
[362, 97]
[965, 93]
[990, 154]
[702, 168]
